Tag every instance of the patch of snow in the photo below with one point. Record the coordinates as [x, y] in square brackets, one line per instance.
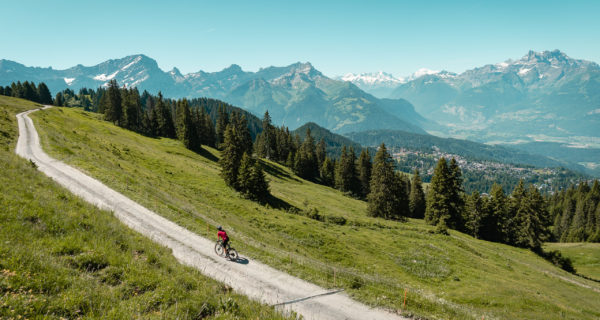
[423, 72]
[502, 65]
[379, 78]
[524, 71]
[541, 76]
[136, 60]
[104, 77]
[68, 81]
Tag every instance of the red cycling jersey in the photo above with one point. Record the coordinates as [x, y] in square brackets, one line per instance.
[222, 235]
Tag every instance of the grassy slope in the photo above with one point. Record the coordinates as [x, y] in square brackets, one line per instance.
[63, 258]
[454, 277]
[585, 256]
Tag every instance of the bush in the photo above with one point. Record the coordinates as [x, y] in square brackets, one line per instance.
[557, 259]
[336, 220]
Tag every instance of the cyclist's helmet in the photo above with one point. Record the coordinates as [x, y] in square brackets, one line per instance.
[220, 228]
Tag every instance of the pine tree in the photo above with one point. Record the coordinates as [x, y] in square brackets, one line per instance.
[166, 127]
[494, 223]
[532, 230]
[455, 195]
[222, 122]
[417, 197]
[327, 172]
[113, 108]
[29, 92]
[230, 157]
[474, 214]
[438, 198]
[306, 161]
[244, 180]
[268, 142]
[511, 223]
[383, 200]
[59, 100]
[321, 153]
[132, 109]
[43, 93]
[259, 187]
[364, 172]
[186, 132]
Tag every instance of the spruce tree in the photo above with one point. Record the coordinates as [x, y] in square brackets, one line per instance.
[321, 152]
[455, 195]
[364, 172]
[166, 127]
[230, 157]
[132, 109]
[222, 122]
[417, 197]
[113, 108]
[186, 132]
[438, 198]
[383, 200]
[44, 95]
[259, 187]
[532, 230]
[327, 172]
[244, 180]
[474, 214]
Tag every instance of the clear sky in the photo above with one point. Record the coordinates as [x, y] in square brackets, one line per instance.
[335, 36]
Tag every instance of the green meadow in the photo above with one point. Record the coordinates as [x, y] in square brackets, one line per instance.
[61, 258]
[585, 257]
[319, 234]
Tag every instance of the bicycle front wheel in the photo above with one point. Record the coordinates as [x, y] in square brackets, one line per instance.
[219, 249]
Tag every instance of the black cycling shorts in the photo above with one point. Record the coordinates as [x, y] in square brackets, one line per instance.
[225, 242]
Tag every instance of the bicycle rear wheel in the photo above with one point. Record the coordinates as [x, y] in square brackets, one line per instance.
[233, 255]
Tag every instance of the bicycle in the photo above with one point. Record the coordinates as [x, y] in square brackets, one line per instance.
[220, 250]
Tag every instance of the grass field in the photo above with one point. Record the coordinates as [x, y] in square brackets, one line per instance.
[585, 257]
[63, 258]
[447, 277]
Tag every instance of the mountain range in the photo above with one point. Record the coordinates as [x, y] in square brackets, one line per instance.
[293, 94]
[543, 96]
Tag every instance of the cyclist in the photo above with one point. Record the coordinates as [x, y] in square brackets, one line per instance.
[223, 235]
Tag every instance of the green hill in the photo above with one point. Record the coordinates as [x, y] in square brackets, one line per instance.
[375, 261]
[62, 258]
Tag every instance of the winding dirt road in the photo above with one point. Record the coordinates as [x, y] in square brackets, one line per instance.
[253, 279]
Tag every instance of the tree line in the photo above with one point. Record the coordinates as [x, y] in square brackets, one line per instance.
[29, 91]
[575, 213]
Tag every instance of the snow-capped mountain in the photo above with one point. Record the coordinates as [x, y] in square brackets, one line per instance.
[379, 84]
[542, 96]
[293, 94]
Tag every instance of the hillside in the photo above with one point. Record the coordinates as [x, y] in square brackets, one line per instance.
[585, 257]
[333, 142]
[64, 258]
[455, 277]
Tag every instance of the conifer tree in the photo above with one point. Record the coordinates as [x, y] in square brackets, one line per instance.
[222, 122]
[321, 153]
[305, 162]
[327, 172]
[59, 100]
[43, 93]
[113, 107]
[438, 198]
[532, 230]
[244, 180]
[186, 132]
[231, 157]
[132, 109]
[417, 197]
[346, 177]
[474, 214]
[455, 195]
[383, 200]
[364, 172]
[259, 187]
[166, 127]
[493, 224]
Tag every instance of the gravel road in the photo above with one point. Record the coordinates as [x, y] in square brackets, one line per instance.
[251, 278]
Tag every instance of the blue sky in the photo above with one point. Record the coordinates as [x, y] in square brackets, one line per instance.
[335, 36]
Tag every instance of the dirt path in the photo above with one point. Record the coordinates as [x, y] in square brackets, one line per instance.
[254, 279]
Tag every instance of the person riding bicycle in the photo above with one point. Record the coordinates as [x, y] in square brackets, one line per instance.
[223, 235]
